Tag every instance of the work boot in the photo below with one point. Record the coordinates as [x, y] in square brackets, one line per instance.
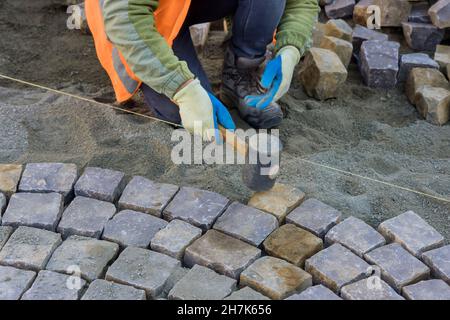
[240, 79]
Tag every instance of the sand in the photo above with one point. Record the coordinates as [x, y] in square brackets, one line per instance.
[369, 132]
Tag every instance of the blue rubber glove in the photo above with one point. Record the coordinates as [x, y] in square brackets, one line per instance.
[221, 116]
[277, 77]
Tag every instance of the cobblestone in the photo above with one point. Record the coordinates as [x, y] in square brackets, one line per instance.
[108, 291]
[318, 292]
[246, 223]
[439, 262]
[9, 178]
[5, 233]
[29, 248]
[14, 282]
[246, 293]
[90, 256]
[132, 228]
[222, 253]
[85, 217]
[147, 196]
[2, 204]
[49, 177]
[143, 269]
[40, 210]
[369, 289]
[198, 207]
[427, 290]
[100, 184]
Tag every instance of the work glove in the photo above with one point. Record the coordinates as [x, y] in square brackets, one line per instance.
[198, 105]
[277, 77]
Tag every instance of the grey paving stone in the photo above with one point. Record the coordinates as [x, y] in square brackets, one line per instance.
[5, 233]
[318, 292]
[275, 278]
[422, 36]
[29, 248]
[175, 238]
[222, 253]
[368, 289]
[91, 256]
[340, 9]
[336, 266]
[412, 232]
[9, 178]
[107, 290]
[132, 228]
[414, 60]
[2, 204]
[178, 273]
[398, 267]
[49, 177]
[361, 34]
[439, 262]
[246, 293]
[246, 223]
[198, 207]
[85, 217]
[314, 216]
[14, 282]
[147, 196]
[201, 283]
[419, 13]
[100, 184]
[143, 269]
[434, 289]
[379, 63]
[40, 210]
[356, 235]
[51, 285]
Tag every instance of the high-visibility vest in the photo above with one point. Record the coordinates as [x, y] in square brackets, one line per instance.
[169, 18]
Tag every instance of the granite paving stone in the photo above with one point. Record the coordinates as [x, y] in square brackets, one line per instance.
[201, 283]
[412, 232]
[132, 228]
[49, 177]
[367, 289]
[143, 269]
[2, 204]
[318, 292]
[198, 207]
[292, 244]
[9, 178]
[106, 290]
[279, 201]
[314, 216]
[147, 196]
[5, 233]
[361, 34]
[91, 256]
[85, 217]
[51, 285]
[100, 184]
[246, 223]
[29, 248]
[336, 266]
[439, 262]
[414, 60]
[246, 293]
[175, 238]
[434, 289]
[222, 253]
[398, 267]
[40, 210]
[14, 282]
[356, 235]
[275, 278]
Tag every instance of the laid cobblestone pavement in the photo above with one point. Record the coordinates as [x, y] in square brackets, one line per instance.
[67, 233]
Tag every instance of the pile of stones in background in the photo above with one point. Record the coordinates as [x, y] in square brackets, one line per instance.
[97, 236]
[343, 34]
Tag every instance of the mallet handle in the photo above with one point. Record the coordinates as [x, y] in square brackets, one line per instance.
[234, 141]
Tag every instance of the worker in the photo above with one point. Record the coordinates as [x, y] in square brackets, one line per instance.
[146, 45]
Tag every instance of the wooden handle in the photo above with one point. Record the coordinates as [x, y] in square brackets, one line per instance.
[234, 141]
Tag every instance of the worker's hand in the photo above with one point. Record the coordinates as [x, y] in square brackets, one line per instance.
[201, 110]
[277, 77]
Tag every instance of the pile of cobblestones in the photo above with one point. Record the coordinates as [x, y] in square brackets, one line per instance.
[97, 236]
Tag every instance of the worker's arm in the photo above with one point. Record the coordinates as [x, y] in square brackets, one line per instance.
[297, 23]
[130, 25]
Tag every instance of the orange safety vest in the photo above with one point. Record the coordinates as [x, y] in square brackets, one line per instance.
[169, 18]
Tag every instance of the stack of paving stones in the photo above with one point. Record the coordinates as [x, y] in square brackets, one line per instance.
[347, 31]
[68, 234]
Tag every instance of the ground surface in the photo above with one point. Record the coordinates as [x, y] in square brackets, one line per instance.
[365, 131]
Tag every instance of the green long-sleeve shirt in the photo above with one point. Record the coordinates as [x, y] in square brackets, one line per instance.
[130, 26]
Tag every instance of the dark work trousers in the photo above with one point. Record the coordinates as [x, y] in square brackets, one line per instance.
[254, 24]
